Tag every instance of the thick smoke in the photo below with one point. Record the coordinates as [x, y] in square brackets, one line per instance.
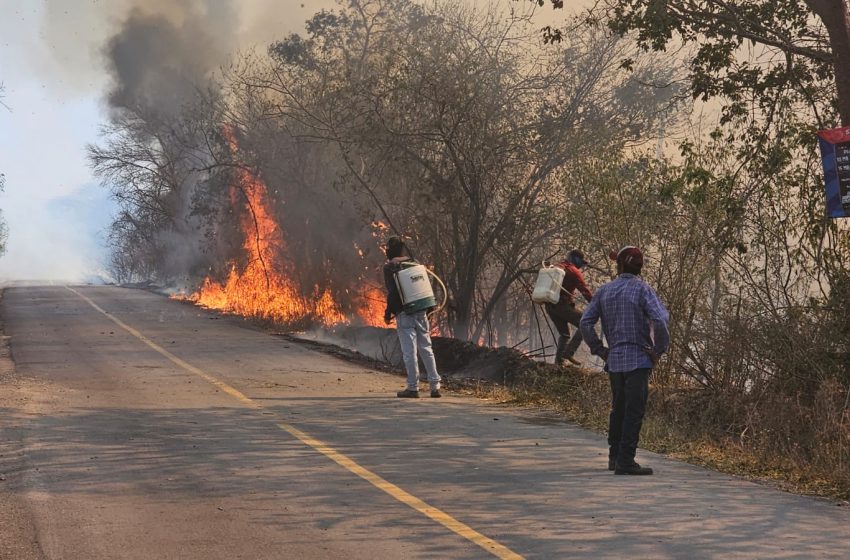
[164, 49]
[160, 59]
[59, 74]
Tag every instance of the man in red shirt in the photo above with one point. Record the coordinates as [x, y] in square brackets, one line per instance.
[564, 313]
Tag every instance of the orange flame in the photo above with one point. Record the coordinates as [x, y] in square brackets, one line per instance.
[265, 288]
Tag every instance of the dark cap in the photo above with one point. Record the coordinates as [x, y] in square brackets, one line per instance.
[576, 256]
[629, 256]
[395, 247]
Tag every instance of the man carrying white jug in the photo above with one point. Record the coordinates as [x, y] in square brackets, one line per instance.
[564, 313]
[414, 331]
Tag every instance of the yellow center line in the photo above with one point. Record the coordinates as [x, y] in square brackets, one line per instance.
[441, 517]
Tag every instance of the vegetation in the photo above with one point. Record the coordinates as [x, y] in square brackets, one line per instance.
[490, 151]
[746, 49]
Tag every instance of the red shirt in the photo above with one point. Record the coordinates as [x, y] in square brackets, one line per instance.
[573, 280]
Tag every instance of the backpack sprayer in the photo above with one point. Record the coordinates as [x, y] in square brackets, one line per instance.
[415, 289]
[547, 288]
[550, 278]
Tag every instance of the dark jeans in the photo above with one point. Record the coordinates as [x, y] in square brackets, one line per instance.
[629, 392]
[563, 316]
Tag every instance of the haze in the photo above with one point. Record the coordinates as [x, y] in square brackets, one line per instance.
[55, 75]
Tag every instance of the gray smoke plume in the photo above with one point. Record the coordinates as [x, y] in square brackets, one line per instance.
[162, 55]
[74, 32]
[162, 60]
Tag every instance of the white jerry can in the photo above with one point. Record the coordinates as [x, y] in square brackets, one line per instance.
[414, 287]
[547, 289]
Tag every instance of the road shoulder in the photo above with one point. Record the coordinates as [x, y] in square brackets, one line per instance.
[19, 541]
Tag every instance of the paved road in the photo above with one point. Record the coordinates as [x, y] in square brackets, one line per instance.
[138, 427]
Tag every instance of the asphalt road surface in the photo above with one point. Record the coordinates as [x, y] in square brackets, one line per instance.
[138, 427]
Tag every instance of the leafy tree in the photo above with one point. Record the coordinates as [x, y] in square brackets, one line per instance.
[803, 45]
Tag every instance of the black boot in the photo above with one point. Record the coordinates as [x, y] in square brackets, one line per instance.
[631, 468]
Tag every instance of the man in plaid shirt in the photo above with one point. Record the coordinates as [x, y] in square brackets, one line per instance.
[634, 322]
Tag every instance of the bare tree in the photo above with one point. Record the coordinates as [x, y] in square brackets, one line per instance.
[156, 170]
[453, 121]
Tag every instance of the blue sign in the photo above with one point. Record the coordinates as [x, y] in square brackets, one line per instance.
[835, 153]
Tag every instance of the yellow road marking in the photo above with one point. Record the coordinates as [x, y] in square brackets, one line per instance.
[444, 519]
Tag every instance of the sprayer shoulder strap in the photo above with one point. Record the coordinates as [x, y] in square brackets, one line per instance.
[395, 266]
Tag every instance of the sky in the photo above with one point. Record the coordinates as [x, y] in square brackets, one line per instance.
[56, 81]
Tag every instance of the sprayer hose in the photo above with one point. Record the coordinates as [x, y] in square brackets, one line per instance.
[445, 293]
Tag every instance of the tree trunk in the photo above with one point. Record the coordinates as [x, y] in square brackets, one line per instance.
[501, 320]
[835, 15]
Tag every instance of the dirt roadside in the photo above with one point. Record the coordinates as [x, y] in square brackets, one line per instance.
[18, 538]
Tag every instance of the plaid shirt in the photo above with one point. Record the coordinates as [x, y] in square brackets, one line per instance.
[632, 316]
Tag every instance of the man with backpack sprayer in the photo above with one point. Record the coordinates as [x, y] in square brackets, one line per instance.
[564, 313]
[414, 331]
